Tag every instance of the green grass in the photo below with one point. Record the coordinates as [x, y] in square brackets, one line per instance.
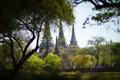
[46, 75]
[40, 75]
[101, 76]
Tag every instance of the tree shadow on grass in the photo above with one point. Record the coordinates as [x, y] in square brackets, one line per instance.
[40, 75]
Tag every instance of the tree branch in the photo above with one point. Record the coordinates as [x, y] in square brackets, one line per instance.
[18, 43]
[111, 1]
[37, 36]
[77, 2]
[12, 50]
[100, 4]
[31, 40]
[91, 1]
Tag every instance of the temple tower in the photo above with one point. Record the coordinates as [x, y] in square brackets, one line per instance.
[56, 47]
[73, 38]
[61, 40]
[46, 45]
[71, 49]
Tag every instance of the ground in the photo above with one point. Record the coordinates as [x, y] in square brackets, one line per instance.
[60, 75]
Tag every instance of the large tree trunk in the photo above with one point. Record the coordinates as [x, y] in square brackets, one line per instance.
[17, 68]
[97, 58]
[96, 62]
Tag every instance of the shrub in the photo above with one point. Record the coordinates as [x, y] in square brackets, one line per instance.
[52, 61]
[34, 63]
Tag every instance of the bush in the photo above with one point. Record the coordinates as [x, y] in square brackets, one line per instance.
[52, 61]
[34, 63]
[82, 61]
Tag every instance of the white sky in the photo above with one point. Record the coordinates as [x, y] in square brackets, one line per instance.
[83, 35]
[81, 12]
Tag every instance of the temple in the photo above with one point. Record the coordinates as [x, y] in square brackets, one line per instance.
[71, 49]
[56, 47]
[47, 45]
[73, 38]
[61, 40]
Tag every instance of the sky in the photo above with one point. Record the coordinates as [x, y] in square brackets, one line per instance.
[81, 12]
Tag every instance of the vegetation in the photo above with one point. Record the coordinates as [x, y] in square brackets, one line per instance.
[34, 63]
[82, 61]
[105, 11]
[52, 61]
[115, 52]
[22, 22]
[96, 47]
[108, 57]
[108, 8]
[60, 76]
[99, 76]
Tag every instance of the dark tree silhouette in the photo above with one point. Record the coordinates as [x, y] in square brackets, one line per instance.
[21, 22]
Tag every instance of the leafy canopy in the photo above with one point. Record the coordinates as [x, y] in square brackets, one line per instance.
[26, 18]
[106, 11]
[34, 63]
[82, 61]
[53, 61]
[40, 9]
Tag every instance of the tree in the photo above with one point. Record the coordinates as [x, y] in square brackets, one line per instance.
[105, 58]
[108, 10]
[98, 4]
[34, 63]
[115, 53]
[53, 61]
[67, 55]
[95, 47]
[23, 21]
[66, 60]
[83, 50]
[82, 61]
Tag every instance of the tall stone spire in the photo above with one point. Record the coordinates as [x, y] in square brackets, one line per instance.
[56, 47]
[61, 35]
[47, 33]
[73, 38]
[61, 40]
[46, 48]
[46, 45]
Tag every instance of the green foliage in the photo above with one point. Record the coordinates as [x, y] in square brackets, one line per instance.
[5, 60]
[48, 9]
[82, 51]
[68, 54]
[103, 17]
[53, 61]
[31, 14]
[93, 60]
[107, 8]
[115, 52]
[82, 61]
[105, 56]
[96, 48]
[105, 11]
[34, 63]
[72, 49]
[66, 57]
[9, 66]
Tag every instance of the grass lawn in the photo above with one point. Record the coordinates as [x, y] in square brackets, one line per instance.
[101, 76]
[45, 75]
